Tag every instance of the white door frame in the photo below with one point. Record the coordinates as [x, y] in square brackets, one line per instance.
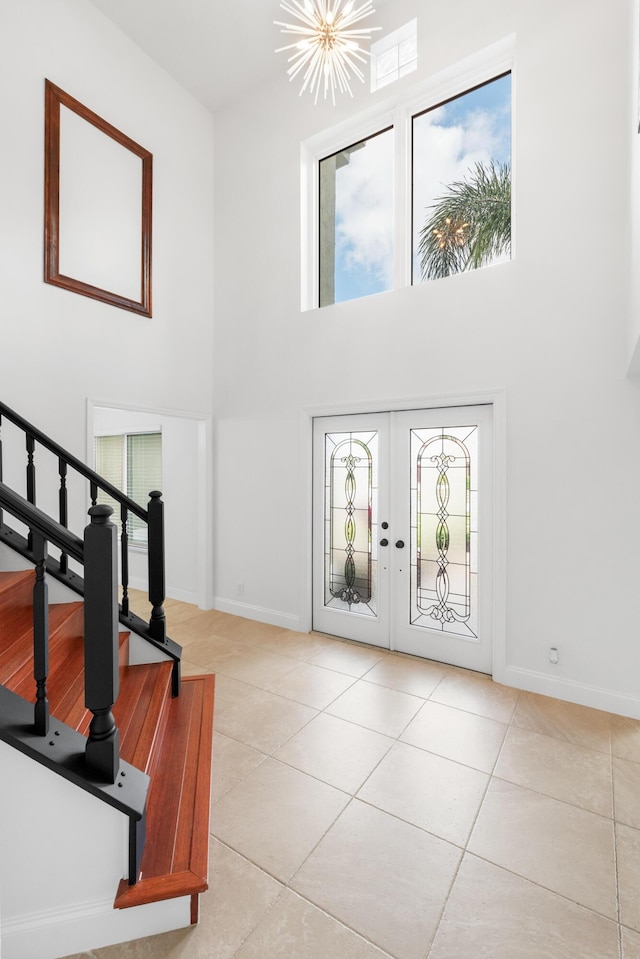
[498, 400]
[204, 545]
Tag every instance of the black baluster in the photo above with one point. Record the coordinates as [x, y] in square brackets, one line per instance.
[101, 674]
[31, 469]
[63, 500]
[157, 622]
[31, 479]
[124, 557]
[40, 636]
[93, 489]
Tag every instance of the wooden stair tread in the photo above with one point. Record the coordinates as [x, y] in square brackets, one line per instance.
[66, 687]
[16, 642]
[16, 589]
[175, 857]
[11, 579]
[145, 695]
[168, 738]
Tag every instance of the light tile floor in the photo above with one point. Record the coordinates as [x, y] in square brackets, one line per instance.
[367, 804]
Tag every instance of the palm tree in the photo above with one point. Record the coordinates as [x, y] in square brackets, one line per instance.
[470, 225]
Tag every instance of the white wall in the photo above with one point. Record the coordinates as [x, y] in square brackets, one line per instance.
[550, 328]
[63, 855]
[60, 348]
[634, 247]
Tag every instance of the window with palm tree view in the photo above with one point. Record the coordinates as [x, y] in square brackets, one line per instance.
[462, 182]
[460, 205]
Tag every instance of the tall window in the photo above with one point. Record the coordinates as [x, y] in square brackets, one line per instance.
[462, 182]
[426, 195]
[133, 463]
[356, 220]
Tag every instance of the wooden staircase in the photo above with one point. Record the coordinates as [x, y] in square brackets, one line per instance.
[169, 738]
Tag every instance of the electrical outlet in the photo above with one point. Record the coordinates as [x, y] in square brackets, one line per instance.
[554, 655]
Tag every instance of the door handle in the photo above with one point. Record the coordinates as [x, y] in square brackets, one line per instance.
[384, 542]
[399, 544]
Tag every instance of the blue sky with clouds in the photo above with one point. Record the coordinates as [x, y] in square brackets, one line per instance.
[447, 142]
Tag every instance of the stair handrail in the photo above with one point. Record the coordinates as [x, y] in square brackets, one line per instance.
[71, 460]
[35, 518]
[153, 516]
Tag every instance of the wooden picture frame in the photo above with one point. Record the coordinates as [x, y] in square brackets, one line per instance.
[98, 206]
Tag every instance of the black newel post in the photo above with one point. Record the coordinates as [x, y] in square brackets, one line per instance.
[157, 622]
[40, 636]
[101, 675]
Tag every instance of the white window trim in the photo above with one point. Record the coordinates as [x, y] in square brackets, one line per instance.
[396, 111]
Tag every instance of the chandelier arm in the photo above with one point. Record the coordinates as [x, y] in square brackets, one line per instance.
[294, 28]
[355, 16]
[299, 65]
[313, 70]
[290, 46]
[343, 77]
[362, 33]
[304, 59]
[348, 63]
[350, 54]
[297, 10]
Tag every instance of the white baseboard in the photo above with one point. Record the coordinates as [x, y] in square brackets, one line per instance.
[259, 613]
[89, 926]
[183, 595]
[569, 690]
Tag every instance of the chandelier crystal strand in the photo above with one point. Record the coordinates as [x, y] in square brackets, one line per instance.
[328, 45]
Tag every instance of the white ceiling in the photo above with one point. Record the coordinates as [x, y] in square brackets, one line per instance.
[216, 49]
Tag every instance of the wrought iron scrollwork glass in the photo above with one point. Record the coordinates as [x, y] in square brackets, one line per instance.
[444, 529]
[351, 471]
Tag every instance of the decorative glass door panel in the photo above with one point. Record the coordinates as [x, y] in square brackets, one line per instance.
[351, 483]
[444, 530]
[402, 521]
[350, 491]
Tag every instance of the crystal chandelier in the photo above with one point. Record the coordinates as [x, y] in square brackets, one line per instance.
[328, 45]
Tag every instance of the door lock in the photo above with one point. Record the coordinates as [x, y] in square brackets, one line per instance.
[384, 542]
[399, 544]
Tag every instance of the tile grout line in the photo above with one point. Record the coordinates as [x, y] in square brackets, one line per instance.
[615, 848]
[287, 884]
[465, 849]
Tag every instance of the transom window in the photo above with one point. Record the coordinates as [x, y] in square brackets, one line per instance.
[425, 196]
[394, 56]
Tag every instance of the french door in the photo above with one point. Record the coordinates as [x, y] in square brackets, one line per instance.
[402, 531]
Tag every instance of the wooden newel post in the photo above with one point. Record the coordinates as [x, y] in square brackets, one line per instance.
[101, 667]
[157, 622]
